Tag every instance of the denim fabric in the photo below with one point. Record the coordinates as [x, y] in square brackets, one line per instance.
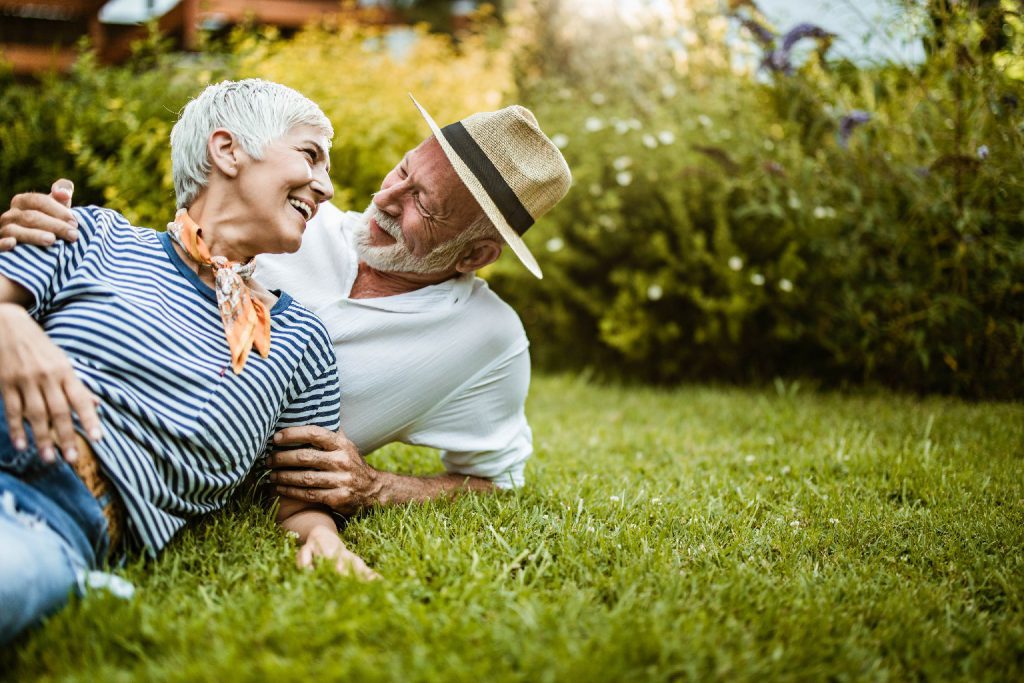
[52, 531]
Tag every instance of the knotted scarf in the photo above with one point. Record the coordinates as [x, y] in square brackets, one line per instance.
[246, 318]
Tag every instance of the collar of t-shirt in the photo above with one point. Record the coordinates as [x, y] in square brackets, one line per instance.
[450, 292]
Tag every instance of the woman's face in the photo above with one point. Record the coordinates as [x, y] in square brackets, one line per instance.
[283, 190]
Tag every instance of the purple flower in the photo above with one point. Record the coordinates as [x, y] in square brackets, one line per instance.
[778, 60]
[983, 152]
[761, 33]
[849, 123]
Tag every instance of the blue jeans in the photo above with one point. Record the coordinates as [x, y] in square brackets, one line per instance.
[52, 533]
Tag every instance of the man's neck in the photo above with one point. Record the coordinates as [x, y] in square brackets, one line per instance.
[371, 283]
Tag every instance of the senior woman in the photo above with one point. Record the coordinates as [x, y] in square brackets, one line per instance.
[160, 328]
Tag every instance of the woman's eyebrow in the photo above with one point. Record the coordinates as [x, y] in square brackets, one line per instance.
[320, 151]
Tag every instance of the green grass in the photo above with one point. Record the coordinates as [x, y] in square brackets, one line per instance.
[700, 533]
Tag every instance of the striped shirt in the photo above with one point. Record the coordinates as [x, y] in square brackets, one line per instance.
[143, 333]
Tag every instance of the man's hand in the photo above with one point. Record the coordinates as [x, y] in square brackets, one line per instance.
[38, 384]
[326, 544]
[333, 473]
[39, 219]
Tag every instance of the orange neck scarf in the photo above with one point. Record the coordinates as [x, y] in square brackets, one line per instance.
[246, 318]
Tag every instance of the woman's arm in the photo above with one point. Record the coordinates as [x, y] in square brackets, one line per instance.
[37, 381]
[319, 536]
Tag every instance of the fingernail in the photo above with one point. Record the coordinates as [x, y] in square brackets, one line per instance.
[47, 454]
[48, 239]
[266, 461]
[277, 437]
[70, 454]
[20, 443]
[72, 235]
[273, 478]
[95, 433]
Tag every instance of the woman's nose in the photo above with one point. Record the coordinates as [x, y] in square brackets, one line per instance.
[323, 186]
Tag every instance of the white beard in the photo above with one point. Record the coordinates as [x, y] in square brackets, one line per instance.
[396, 258]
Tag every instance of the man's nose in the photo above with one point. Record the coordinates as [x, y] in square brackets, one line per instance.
[389, 198]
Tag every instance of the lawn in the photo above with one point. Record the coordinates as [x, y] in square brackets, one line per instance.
[698, 533]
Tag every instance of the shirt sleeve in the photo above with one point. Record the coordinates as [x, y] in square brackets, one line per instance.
[317, 397]
[482, 429]
[45, 271]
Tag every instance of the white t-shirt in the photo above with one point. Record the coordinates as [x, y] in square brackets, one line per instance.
[446, 366]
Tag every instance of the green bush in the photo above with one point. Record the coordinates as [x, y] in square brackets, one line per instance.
[105, 128]
[720, 226]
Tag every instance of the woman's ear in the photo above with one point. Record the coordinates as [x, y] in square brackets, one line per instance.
[223, 149]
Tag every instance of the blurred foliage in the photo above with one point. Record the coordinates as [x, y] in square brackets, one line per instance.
[741, 210]
[105, 128]
[736, 221]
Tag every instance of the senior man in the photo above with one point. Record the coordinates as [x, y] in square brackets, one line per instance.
[427, 353]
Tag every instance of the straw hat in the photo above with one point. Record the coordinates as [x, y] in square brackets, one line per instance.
[512, 169]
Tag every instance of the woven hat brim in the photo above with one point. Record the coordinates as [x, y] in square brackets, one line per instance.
[511, 237]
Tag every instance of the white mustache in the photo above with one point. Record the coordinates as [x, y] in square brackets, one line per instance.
[388, 225]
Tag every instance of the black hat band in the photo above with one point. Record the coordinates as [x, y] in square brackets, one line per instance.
[493, 183]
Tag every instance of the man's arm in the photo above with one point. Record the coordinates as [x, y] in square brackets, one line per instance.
[39, 219]
[335, 474]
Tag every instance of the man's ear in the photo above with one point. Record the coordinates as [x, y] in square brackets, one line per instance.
[224, 152]
[482, 252]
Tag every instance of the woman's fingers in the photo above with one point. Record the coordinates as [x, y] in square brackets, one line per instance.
[38, 417]
[83, 402]
[304, 558]
[350, 563]
[15, 423]
[60, 419]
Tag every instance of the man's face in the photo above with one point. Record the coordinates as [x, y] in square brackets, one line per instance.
[421, 208]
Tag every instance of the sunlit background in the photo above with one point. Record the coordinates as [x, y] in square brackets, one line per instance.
[825, 189]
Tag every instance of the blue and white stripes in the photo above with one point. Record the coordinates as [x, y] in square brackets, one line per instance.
[143, 333]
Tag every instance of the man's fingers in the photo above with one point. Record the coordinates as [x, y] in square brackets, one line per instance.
[8, 243]
[37, 211]
[62, 191]
[298, 493]
[21, 235]
[299, 457]
[60, 420]
[305, 478]
[322, 438]
[83, 402]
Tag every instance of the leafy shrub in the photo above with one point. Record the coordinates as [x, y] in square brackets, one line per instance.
[105, 128]
[727, 220]
[730, 224]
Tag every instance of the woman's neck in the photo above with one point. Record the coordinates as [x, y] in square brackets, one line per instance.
[224, 227]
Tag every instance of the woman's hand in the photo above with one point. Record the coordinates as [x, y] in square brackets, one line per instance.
[325, 543]
[38, 384]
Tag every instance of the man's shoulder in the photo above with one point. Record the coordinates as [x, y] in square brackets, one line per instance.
[330, 217]
[496, 324]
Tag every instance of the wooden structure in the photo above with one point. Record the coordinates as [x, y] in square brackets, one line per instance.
[41, 35]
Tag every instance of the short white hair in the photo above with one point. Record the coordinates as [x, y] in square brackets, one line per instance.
[256, 111]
